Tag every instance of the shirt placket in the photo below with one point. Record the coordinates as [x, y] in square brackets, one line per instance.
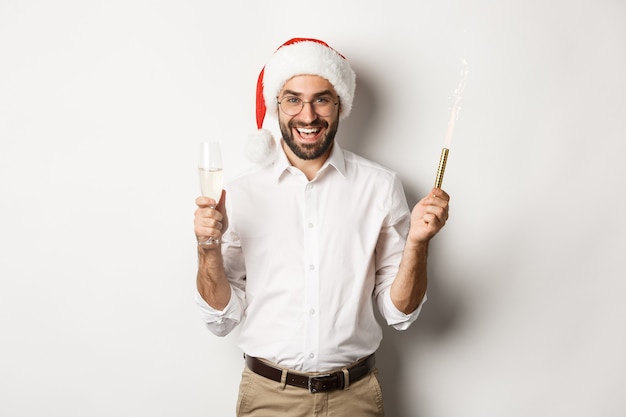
[311, 274]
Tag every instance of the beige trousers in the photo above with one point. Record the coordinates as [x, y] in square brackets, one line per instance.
[262, 397]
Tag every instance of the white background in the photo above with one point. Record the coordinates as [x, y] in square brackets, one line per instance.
[103, 105]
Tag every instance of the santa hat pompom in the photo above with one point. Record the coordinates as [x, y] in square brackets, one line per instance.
[260, 147]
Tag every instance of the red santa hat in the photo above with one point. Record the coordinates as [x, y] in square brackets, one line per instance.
[297, 56]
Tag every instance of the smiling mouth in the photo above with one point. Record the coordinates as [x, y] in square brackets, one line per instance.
[308, 130]
[309, 134]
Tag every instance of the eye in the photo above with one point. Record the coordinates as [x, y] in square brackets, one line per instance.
[322, 100]
[292, 100]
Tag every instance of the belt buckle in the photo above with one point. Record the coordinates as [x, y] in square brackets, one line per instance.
[312, 378]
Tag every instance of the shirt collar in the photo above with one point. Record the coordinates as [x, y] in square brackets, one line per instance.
[335, 159]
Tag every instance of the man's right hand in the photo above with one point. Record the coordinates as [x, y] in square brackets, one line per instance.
[210, 220]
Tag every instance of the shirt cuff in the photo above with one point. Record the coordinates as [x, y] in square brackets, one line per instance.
[219, 322]
[396, 318]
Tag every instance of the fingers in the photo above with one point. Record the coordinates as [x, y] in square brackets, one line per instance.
[205, 202]
[210, 218]
[438, 195]
[209, 202]
[434, 217]
[209, 212]
[435, 207]
[208, 222]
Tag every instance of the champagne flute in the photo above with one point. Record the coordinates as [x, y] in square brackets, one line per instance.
[211, 176]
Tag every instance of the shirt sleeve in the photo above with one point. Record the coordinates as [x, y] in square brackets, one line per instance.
[395, 318]
[389, 255]
[221, 322]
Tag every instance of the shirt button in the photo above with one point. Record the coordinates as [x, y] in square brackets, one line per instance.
[311, 267]
[312, 311]
[310, 225]
[311, 355]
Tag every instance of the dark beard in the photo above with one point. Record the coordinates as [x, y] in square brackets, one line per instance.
[312, 151]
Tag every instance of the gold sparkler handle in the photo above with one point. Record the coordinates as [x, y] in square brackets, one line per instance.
[442, 167]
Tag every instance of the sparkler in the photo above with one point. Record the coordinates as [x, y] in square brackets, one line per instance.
[454, 115]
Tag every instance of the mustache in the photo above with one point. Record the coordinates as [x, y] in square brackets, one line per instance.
[315, 123]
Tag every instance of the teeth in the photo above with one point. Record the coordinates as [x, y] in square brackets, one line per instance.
[302, 130]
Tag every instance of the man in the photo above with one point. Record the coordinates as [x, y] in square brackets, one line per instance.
[308, 244]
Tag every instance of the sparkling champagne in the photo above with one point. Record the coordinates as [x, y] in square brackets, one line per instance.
[211, 183]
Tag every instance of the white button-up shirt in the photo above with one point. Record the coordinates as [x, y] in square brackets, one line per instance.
[307, 260]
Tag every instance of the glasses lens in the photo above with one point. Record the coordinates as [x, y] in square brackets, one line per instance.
[291, 105]
[322, 106]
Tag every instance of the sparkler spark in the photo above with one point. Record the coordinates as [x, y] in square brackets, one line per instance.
[454, 113]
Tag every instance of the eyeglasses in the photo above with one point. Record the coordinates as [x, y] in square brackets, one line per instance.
[292, 105]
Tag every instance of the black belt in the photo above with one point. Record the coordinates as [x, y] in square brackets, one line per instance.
[314, 383]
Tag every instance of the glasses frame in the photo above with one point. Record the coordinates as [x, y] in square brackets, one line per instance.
[302, 102]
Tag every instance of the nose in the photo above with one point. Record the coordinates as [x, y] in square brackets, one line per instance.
[308, 113]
